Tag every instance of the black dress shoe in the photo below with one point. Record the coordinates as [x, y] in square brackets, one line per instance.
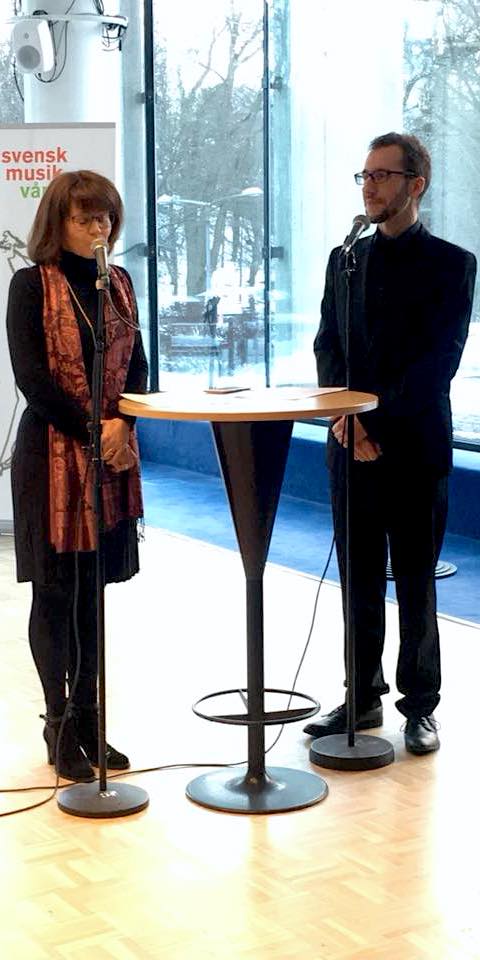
[69, 759]
[421, 735]
[336, 721]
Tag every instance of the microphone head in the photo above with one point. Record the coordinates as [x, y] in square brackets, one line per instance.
[99, 248]
[362, 219]
[98, 242]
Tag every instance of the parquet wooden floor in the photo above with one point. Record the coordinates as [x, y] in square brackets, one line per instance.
[386, 868]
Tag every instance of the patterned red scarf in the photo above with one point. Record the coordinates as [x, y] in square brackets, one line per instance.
[70, 469]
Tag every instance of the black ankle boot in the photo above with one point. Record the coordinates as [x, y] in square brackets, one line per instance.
[72, 763]
[86, 719]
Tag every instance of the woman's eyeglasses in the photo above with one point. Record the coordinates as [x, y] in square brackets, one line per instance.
[84, 221]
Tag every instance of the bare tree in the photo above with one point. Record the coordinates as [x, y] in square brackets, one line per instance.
[209, 150]
[442, 104]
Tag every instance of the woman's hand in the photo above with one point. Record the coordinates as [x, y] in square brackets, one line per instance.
[116, 451]
[123, 460]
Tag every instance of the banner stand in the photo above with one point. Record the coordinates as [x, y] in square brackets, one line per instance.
[31, 156]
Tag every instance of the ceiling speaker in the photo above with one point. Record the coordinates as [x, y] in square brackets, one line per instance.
[33, 45]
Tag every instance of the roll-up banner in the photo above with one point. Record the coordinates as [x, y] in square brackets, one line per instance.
[31, 156]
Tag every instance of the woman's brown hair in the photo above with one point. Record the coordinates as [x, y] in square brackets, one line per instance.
[91, 192]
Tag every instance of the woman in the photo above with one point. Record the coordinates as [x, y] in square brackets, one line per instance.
[51, 332]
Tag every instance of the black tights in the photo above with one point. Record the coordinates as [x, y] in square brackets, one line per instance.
[52, 638]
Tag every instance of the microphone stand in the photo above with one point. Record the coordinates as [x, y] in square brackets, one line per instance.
[350, 751]
[97, 799]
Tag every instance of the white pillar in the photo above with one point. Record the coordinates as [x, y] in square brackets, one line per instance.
[89, 89]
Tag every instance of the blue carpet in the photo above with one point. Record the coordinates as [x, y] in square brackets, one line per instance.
[195, 505]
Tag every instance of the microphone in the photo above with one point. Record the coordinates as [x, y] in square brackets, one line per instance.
[360, 223]
[99, 247]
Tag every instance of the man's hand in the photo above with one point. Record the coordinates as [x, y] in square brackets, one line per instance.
[365, 449]
[116, 451]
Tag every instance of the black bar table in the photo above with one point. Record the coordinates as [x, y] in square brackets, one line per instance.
[252, 431]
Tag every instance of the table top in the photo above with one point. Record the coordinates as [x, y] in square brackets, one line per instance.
[275, 403]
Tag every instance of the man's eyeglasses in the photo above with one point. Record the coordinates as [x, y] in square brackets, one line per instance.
[85, 220]
[379, 176]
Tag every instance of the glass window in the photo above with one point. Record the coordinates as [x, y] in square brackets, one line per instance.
[441, 94]
[131, 249]
[411, 65]
[209, 162]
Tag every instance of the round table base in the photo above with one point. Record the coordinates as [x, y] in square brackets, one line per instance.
[367, 753]
[87, 800]
[279, 789]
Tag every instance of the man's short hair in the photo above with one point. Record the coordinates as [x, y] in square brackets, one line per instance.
[416, 157]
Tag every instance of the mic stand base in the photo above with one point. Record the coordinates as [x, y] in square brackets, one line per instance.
[366, 753]
[88, 800]
[276, 789]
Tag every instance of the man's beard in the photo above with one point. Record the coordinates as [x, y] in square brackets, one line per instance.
[380, 217]
[392, 209]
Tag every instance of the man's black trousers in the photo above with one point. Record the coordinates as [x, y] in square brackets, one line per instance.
[396, 507]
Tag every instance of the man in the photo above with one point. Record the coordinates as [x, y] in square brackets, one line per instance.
[411, 304]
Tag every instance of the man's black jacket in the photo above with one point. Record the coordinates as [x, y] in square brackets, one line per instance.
[409, 355]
